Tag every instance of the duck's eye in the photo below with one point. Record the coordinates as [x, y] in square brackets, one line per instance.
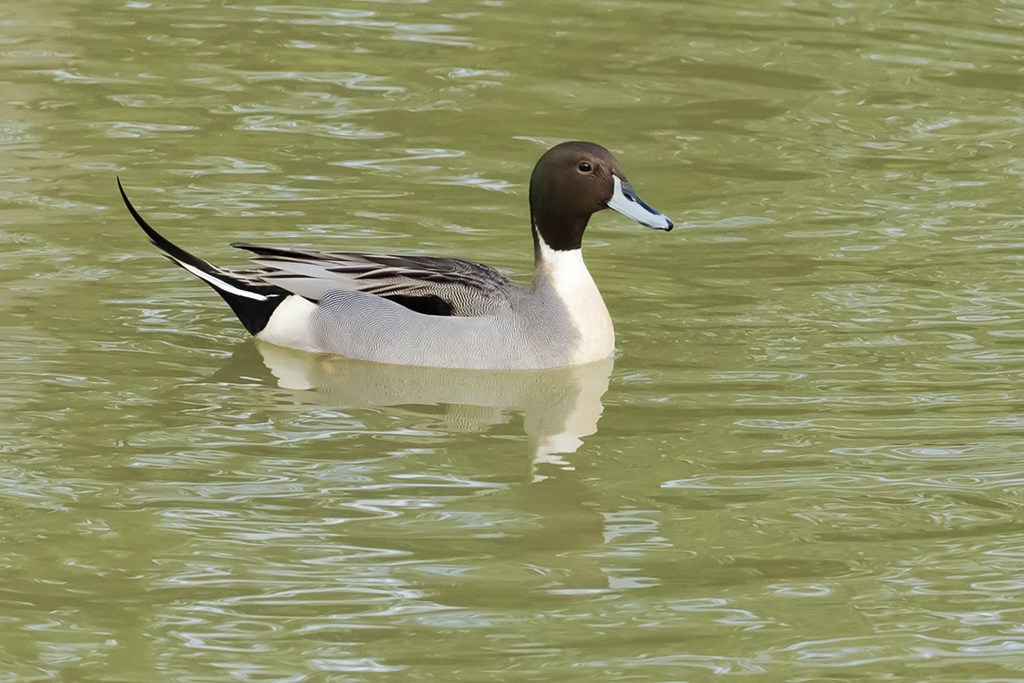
[585, 167]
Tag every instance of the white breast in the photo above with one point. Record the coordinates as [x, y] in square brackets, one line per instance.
[571, 281]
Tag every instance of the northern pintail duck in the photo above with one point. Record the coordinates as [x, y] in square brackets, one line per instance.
[442, 312]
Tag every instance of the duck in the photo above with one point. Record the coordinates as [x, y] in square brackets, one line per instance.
[432, 311]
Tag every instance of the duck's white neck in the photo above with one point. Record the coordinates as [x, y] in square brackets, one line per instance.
[565, 273]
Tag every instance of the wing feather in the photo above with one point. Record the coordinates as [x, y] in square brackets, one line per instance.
[426, 283]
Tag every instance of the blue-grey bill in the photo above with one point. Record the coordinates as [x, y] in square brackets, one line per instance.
[626, 202]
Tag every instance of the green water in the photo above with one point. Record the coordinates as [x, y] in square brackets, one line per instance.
[806, 462]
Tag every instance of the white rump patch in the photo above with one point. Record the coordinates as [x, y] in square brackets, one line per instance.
[289, 324]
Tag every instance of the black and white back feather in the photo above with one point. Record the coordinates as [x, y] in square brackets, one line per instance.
[428, 284]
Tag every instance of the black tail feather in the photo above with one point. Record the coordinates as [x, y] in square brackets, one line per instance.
[252, 302]
[253, 314]
[281, 254]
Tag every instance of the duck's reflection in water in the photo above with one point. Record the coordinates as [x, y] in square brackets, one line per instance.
[559, 406]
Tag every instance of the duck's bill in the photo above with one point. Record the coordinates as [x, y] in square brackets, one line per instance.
[626, 202]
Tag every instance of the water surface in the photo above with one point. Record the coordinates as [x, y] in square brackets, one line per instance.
[802, 464]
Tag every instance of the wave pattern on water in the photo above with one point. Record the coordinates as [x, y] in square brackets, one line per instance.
[806, 462]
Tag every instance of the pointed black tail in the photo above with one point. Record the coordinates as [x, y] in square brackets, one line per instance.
[252, 300]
